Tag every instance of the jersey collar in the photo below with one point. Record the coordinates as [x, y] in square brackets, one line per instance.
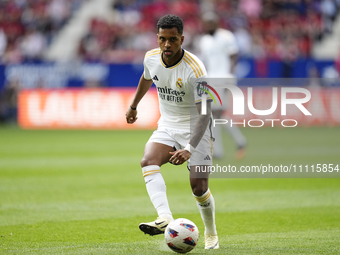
[174, 65]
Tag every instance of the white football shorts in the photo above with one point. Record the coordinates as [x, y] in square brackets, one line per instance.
[179, 139]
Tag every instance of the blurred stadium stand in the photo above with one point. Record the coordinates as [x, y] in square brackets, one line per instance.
[91, 43]
[330, 45]
[116, 31]
[27, 27]
[120, 31]
[277, 29]
[65, 47]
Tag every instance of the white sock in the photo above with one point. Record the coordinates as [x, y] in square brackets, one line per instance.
[156, 188]
[206, 206]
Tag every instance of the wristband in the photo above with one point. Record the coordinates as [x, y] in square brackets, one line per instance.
[133, 108]
[189, 148]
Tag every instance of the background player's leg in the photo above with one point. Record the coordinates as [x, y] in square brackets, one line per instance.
[218, 151]
[235, 134]
[238, 138]
[155, 155]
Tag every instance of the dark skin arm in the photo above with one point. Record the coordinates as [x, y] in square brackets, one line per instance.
[233, 62]
[182, 155]
[143, 87]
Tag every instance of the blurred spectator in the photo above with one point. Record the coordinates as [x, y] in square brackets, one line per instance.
[314, 81]
[92, 83]
[3, 42]
[328, 10]
[337, 61]
[288, 52]
[27, 25]
[303, 21]
[251, 8]
[33, 44]
[30, 25]
[12, 55]
[59, 11]
[8, 102]
[244, 41]
[259, 54]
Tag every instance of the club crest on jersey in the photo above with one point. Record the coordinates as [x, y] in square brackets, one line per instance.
[179, 83]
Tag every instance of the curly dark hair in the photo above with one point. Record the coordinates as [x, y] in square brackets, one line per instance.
[170, 21]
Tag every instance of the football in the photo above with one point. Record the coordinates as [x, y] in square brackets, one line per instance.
[181, 235]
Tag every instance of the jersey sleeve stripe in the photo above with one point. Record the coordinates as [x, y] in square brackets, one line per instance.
[200, 72]
[186, 60]
[198, 66]
[193, 64]
[154, 50]
[148, 55]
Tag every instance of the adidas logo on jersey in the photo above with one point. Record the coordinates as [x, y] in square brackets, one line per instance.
[155, 78]
[207, 157]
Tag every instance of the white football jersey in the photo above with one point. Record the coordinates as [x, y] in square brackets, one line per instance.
[215, 51]
[177, 94]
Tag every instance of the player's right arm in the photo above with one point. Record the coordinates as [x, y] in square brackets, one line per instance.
[143, 87]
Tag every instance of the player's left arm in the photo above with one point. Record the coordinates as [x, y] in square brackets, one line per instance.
[232, 51]
[201, 125]
[182, 155]
[233, 62]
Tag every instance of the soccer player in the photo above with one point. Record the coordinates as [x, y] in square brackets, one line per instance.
[172, 69]
[218, 49]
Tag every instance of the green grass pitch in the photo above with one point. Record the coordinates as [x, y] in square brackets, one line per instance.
[82, 192]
